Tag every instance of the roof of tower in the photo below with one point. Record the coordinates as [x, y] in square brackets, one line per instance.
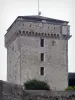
[37, 18]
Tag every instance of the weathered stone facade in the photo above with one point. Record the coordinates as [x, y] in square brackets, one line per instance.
[22, 41]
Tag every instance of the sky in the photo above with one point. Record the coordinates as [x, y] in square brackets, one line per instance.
[58, 9]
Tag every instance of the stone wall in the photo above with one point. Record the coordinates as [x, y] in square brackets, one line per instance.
[23, 61]
[49, 95]
[9, 91]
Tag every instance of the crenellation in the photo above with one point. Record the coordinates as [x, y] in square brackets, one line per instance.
[46, 29]
[26, 33]
[26, 56]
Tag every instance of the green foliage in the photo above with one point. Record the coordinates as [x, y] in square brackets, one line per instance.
[36, 85]
[70, 88]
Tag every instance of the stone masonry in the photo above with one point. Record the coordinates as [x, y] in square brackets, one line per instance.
[9, 91]
[22, 41]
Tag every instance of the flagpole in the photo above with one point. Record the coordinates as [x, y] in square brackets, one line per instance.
[38, 7]
[39, 13]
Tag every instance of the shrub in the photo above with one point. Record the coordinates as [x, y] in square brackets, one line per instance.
[70, 88]
[36, 85]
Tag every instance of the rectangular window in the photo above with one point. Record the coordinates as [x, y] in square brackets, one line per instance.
[42, 56]
[41, 70]
[42, 42]
[53, 43]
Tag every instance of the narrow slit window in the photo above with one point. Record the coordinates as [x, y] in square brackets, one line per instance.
[42, 56]
[41, 70]
[42, 42]
[53, 43]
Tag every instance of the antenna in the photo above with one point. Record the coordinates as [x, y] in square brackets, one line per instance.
[39, 13]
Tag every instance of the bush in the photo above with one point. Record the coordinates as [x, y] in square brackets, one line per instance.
[36, 85]
[70, 88]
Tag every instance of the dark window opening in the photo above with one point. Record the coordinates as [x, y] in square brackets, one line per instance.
[55, 35]
[36, 33]
[53, 43]
[48, 34]
[42, 42]
[32, 32]
[41, 70]
[58, 35]
[52, 35]
[39, 33]
[23, 31]
[42, 56]
[19, 31]
[42, 33]
[27, 32]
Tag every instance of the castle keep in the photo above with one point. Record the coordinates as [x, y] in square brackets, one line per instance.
[37, 47]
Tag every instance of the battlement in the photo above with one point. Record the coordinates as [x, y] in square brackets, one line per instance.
[39, 26]
[31, 33]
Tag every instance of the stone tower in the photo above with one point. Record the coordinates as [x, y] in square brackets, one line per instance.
[37, 48]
